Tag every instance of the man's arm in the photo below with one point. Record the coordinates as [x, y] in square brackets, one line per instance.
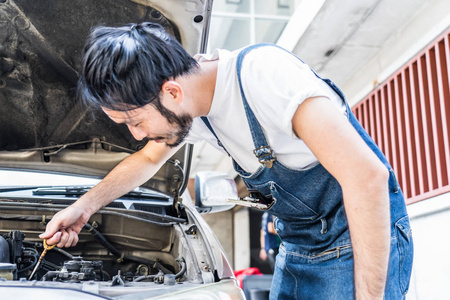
[271, 228]
[133, 171]
[363, 179]
[262, 249]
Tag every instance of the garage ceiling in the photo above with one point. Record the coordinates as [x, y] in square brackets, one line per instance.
[346, 34]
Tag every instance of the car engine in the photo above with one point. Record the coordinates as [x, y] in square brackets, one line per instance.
[120, 252]
[18, 257]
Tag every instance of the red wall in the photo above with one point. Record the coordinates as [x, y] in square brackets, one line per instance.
[408, 116]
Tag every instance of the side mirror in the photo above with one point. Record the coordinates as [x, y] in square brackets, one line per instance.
[211, 191]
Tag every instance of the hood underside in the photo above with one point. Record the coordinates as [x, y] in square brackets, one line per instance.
[42, 126]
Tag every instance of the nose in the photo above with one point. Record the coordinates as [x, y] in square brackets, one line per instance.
[137, 133]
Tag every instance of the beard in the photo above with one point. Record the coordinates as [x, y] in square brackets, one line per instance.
[183, 124]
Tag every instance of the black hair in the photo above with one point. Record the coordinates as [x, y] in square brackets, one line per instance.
[125, 67]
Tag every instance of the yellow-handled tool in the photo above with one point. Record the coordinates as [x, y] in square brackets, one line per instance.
[46, 248]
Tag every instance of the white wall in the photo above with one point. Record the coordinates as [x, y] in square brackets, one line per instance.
[403, 45]
[222, 225]
[430, 223]
[232, 228]
[241, 239]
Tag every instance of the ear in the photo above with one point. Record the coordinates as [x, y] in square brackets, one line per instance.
[174, 89]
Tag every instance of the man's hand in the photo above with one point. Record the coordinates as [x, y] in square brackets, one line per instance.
[65, 226]
[263, 254]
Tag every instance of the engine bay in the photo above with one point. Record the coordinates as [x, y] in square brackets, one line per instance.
[116, 253]
[19, 256]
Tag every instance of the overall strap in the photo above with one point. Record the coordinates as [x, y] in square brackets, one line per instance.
[262, 149]
[206, 121]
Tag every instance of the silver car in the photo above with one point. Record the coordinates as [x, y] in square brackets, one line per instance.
[150, 244]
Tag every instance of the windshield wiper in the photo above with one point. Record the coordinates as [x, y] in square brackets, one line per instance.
[6, 189]
[61, 191]
[76, 191]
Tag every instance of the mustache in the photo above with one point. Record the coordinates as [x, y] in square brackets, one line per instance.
[183, 124]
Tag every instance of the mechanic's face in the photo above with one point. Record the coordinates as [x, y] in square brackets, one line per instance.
[149, 122]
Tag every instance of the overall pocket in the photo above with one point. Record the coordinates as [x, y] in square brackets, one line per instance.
[405, 250]
[286, 205]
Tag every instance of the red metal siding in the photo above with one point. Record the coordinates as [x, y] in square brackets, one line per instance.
[408, 116]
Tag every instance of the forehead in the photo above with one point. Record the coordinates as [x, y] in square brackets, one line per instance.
[125, 116]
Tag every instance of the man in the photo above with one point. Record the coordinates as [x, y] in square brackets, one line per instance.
[269, 240]
[292, 137]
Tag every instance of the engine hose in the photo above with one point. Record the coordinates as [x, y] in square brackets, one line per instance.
[49, 275]
[107, 274]
[180, 261]
[102, 240]
[122, 256]
[63, 252]
[144, 277]
[35, 259]
[182, 264]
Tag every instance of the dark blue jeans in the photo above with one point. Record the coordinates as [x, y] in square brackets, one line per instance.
[329, 275]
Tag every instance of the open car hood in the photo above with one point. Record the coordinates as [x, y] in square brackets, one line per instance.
[42, 126]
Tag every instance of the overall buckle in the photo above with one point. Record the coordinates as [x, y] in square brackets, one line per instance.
[265, 156]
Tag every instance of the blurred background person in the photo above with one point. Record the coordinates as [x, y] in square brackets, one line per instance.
[269, 240]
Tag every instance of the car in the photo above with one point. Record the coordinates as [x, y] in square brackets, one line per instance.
[151, 243]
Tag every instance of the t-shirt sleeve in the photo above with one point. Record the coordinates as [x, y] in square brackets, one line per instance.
[275, 83]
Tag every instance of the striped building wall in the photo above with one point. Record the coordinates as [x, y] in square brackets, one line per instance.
[408, 116]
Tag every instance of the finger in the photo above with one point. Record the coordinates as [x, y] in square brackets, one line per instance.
[70, 238]
[50, 230]
[54, 239]
[63, 240]
[75, 240]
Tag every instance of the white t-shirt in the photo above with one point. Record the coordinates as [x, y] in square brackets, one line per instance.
[275, 83]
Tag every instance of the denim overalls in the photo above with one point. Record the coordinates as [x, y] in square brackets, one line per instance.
[316, 259]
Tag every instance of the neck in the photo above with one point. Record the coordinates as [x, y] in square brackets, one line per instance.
[199, 88]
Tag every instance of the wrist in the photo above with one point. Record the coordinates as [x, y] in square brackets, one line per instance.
[85, 206]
